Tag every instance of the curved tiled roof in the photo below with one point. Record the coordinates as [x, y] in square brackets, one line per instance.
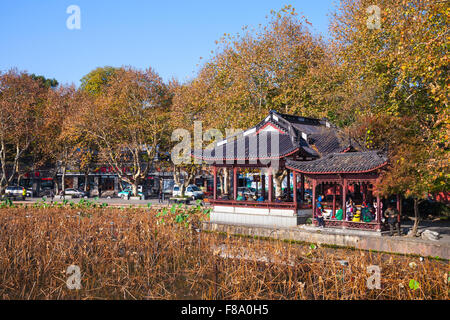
[349, 162]
[313, 138]
[252, 147]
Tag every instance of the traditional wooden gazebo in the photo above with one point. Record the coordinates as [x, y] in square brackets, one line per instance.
[339, 173]
[269, 146]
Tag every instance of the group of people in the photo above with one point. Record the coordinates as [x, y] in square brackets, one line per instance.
[366, 212]
[243, 197]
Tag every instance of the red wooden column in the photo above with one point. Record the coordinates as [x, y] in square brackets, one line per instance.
[215, 183]
[270, 187]
[263, 186]
[344, 196]
[364, 190]
[334, 201]
[294, 178]
[399, 206]
[314, 183]
[235, 183]
[378, 209]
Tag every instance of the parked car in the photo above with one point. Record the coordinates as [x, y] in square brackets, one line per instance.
[15, 192]
[192, 191]
[247, 191]
[128, 191]
[75, 193]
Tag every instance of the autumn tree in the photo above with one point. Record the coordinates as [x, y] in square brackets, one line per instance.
[276, 66]
[396, 70]
[128, 120]
[97, 80]
[21, 105]
[61, 144]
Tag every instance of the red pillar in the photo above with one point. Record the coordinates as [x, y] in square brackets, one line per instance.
[270, 187]
[399, 206]
[334, 201]
[378, 209]
[314, 198]
[263, 186]
[364, 189]
[235, 183]
[215, 183]
[294, 177]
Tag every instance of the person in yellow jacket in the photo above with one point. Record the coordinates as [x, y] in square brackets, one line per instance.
[24, 193]
[357, 216]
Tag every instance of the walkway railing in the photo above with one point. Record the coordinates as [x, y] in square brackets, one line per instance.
[361, 225]
[259, 204]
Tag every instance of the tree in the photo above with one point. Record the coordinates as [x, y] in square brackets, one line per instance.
[21, 105]
[46, 82]
[276, 66]
[59, 141]
[394, 89]
[128, 120]
[96, 81]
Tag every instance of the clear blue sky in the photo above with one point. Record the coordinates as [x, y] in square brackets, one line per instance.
[170, 36]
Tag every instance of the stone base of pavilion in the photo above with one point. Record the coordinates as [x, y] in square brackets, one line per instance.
[268, 214]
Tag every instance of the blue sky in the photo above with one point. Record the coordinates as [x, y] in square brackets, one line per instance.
[169, 36]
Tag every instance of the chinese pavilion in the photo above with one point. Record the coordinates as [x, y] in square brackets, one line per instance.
[315, 153]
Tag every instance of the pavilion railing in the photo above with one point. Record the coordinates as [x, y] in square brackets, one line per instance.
[330, 223]
[259, 204]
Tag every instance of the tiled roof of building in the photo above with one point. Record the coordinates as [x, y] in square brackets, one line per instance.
[312, 138]
[349, 162]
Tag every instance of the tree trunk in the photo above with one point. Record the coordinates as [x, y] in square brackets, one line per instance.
[135, 187]
[56, 186]
[86, 178]
[416, 217]
[226, 181]
[278, 177]
[63, 178]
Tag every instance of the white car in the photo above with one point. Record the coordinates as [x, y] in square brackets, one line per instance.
[192, 191]
[15, 192]
[75, 193]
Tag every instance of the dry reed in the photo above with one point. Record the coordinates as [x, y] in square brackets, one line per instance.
[149, 254]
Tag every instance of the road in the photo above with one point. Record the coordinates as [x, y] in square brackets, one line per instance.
[112, 201]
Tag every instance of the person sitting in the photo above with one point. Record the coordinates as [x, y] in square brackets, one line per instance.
[240, 197]
[260, 199]
[339, 214]
[357, 216]
[365, 212]
[391, 215]
[349, 213]
[319, 216]
[225, 196]
[278, 199]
